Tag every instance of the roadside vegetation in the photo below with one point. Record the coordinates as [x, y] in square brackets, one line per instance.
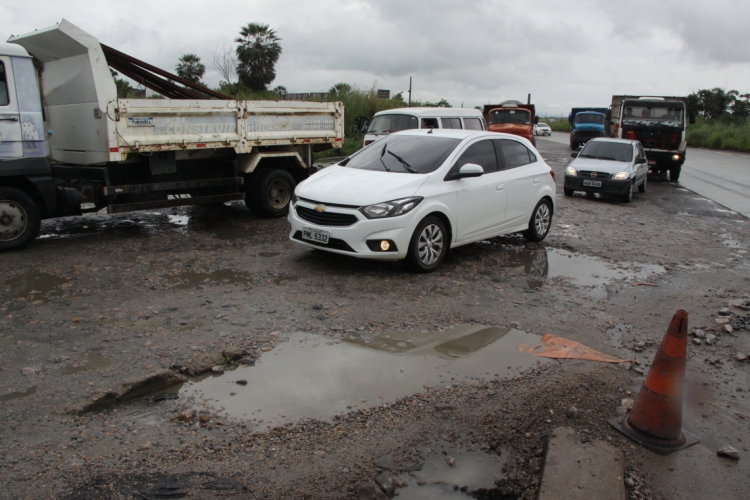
[558, 124]
[723, 120]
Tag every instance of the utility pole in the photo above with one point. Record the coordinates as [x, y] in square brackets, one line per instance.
[410, 92]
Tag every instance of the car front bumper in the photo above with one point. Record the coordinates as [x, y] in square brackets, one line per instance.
[608, 186]
[352, 240]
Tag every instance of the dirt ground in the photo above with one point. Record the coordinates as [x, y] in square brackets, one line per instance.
[101, 315]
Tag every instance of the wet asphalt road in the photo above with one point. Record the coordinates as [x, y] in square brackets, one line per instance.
[101, 299]
[720, 176]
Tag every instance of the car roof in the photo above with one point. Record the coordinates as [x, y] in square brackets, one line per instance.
[433, 112]
[613, 139]
[458, 133]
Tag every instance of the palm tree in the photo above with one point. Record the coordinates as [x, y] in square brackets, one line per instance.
[190, 68]
[257, 55]
[340, 89]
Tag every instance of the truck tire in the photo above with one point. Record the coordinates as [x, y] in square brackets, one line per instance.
[573, 145]
[19, 219]
[674, 173]
[270, 193]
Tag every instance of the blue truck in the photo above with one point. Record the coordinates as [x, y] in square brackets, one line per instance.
[586, 123]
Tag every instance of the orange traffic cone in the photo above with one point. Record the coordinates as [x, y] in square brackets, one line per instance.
[656, 419]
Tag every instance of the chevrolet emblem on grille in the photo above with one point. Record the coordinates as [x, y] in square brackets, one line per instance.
[320, 208]
[593, 174]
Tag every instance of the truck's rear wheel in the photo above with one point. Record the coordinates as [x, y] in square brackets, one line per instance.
[19, 219]
[271, 192]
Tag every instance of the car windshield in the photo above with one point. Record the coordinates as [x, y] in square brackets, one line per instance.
[651, 115]
[589, 118]
[500, 116]
[542, 125]
[385, 124]
[604, 150]
[399, 153]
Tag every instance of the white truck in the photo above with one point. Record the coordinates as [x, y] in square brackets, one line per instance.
[69, 145]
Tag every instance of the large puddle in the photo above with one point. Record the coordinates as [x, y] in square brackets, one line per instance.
[33, 285]
[313, 376]
[536, 265]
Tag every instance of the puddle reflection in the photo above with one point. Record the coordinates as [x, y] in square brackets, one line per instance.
[33, 285]
[91, 361]
[18, 394]
[312, 376]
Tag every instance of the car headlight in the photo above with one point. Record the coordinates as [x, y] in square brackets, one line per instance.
[571, 171]
[391, 208]
[621, 176]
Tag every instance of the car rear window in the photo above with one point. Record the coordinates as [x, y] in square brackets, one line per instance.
[515, 153]
[451, 122]
[423, 153]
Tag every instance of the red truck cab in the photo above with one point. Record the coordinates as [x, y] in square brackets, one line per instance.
[511, 117]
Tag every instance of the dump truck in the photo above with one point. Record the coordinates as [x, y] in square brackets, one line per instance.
[512, 117]
[586, 123]
[659, 123]
[69, 145]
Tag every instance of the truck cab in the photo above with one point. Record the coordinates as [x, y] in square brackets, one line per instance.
[512, 117]
[586, 123]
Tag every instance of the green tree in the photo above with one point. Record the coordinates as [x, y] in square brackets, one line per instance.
[339, 90]
[124, 89]
[280, 91]
[191, 68]
[257, 54]
[713, 103]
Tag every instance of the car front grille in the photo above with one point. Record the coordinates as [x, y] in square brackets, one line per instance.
[326, 218]
[589, 133]
[599, 175]
[334, 243]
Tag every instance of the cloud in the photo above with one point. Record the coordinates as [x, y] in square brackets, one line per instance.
[469, 52]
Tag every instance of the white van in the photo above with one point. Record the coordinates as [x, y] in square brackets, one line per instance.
[393, 120]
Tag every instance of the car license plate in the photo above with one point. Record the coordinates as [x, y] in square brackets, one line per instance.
[652, 162]
[593, 184]
[316, 235]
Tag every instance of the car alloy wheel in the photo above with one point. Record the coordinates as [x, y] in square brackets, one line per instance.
[540, 222]
[430, 244]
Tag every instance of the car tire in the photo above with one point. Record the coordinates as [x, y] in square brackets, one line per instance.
[568, 191]
[540, 222]
[19, 219]
[642, 187]
[270, 193]
[573, 145]
[674, 173]
[628, 197]
[428, 245]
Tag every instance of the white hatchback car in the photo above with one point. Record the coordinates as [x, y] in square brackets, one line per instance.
[414, 194]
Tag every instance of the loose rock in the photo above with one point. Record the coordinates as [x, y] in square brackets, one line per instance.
[728, 452]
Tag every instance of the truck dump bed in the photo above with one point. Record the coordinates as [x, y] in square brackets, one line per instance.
[87, 124]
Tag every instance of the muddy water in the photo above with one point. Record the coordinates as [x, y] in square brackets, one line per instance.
[192, 279]
[91, 361]
[437, 479]
[538, 264]
[18, 394]
[312, 376]
[33, 285]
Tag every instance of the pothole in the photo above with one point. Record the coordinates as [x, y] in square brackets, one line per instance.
[33, 285]
[18, 394]
[313, 376]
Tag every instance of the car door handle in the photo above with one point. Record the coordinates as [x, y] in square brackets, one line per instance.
[500, 187]
[8, 119]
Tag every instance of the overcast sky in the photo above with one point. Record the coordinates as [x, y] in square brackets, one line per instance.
[469, 52]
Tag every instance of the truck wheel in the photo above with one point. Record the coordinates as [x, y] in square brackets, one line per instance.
[573, 145]
[270, 193]
[19, 219]
[674, 173]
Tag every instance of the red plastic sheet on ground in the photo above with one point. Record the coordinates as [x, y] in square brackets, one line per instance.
[561, 348]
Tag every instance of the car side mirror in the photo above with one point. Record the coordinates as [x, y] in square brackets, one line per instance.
[641, 160]
[467, 170]
[574, 155]
[536, 120]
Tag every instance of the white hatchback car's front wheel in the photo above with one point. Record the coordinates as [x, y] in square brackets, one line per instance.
[428, 245]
